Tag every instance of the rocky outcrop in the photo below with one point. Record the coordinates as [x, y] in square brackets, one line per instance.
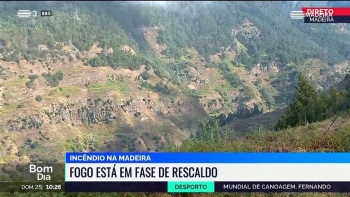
[253, 124]
[24, 123]
[245, 111]
[95, 111]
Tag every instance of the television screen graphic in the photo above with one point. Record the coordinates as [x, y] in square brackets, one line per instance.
[207, 172]
[170, 98]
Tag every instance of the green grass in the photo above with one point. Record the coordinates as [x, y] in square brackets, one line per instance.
[240, 46]
[63, 91]
[8, 107]
[119, 86]
[203, 91]
[222, 88]
[17, 82]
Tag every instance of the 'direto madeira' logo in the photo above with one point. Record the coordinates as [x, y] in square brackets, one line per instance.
[322, 15]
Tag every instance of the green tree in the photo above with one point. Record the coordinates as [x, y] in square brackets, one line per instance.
[145, 75]
[306, 107]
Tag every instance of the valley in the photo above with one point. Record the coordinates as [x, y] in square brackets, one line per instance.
[123, 76]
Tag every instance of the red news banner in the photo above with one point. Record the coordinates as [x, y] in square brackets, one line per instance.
[326, 15]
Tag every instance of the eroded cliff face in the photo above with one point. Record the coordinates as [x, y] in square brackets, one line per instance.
[135, 122]
[94, 112]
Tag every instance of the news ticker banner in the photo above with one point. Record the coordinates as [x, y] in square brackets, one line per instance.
[183, 172]
[322, 15]
[175, 187]
[207, 172]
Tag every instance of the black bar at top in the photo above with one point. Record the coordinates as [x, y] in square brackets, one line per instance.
[282, 187]
[337, 19]
[116, 186]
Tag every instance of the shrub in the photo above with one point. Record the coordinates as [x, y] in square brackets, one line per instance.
[38, 98]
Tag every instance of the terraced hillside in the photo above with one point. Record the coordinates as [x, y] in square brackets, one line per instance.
[138, 76]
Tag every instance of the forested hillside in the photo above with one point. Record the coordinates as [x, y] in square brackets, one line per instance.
[138, 76]
[170, 76]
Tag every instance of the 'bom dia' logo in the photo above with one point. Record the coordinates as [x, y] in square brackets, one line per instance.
[42, 173]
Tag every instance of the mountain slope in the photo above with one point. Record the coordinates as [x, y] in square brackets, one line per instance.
[138, 76]
[310, 138]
